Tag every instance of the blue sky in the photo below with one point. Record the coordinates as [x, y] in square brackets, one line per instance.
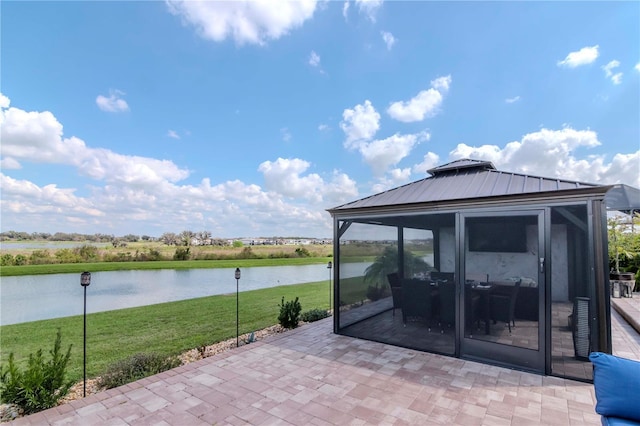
[252, 118]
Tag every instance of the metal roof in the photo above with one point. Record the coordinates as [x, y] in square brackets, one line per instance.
[623, 197]
[464, 180]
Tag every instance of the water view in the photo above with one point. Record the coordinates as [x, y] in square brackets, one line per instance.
[38, 297]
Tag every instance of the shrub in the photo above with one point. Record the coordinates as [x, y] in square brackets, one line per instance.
[302, 252]
[182, 253]
[41, 385]
[20, 260]
[7, 260]
[66, 256]
[40, 257]
[314, 315]
[87, 252]
[246, 253]
[136, 367]
[289, 313]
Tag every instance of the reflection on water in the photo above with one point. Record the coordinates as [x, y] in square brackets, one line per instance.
[37, 297]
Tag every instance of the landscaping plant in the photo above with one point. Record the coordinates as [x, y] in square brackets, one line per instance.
[41, 385]
[136, 367]
[289, 313]
[314, 315]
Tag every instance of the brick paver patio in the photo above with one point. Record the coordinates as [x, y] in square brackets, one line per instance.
[310, 376]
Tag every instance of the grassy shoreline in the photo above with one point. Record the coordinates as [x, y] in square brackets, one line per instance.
[67, 268]
[167, 328]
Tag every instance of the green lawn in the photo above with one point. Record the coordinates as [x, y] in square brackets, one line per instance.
[167, 328]
[67, 268]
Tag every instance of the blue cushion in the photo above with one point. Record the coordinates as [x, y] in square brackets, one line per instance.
[618, 421]
[617, 385]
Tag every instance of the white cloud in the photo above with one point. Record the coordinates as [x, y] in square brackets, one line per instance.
[345, 9]
[637, 67]
[616, 78]
[173, 134]
[392, 179]
[359, 124]
[244, 21]
[429, 161]
[584, 56]
[424, 104]
[369, 8]
[113, 103]
[323, 127]
[22, 196]
[388, 38]
[512, 100]
[382, 154]
[9, 163]
[551, 153]
[4, 101]
[286, 134]
[132, 194]
[341, 189]
[37, 137]
[314, 59]
[285, 177]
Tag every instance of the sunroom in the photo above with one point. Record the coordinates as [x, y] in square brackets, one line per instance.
[481, 264]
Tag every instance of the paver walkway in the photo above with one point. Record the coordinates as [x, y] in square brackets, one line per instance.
[310, 376]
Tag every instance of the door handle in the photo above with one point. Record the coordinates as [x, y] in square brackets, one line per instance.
[542, 265]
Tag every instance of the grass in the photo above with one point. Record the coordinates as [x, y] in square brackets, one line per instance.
[167, 328]
[67, 268]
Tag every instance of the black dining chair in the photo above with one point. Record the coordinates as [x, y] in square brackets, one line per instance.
[416, 300]
[503, 304]
[447, 297]
[396, 290]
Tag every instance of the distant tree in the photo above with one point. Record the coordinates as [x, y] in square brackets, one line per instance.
[204, 237]
[145, 238]
[131, 238]
[238, 243]
[169, 238]
[186, 237]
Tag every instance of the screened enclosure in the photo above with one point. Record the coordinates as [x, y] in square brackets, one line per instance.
[475, 263]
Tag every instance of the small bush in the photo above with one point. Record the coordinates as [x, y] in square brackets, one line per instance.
[302, 252]
[314, 315]
[41, 385]
[6, 260]
[136, 367]
[246, 253]
[40, 257]
[182, 253]
[289, 313]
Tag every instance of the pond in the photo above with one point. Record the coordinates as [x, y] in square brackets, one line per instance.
[38, 297]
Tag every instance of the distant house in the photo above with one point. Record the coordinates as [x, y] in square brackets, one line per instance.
[516, 273]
